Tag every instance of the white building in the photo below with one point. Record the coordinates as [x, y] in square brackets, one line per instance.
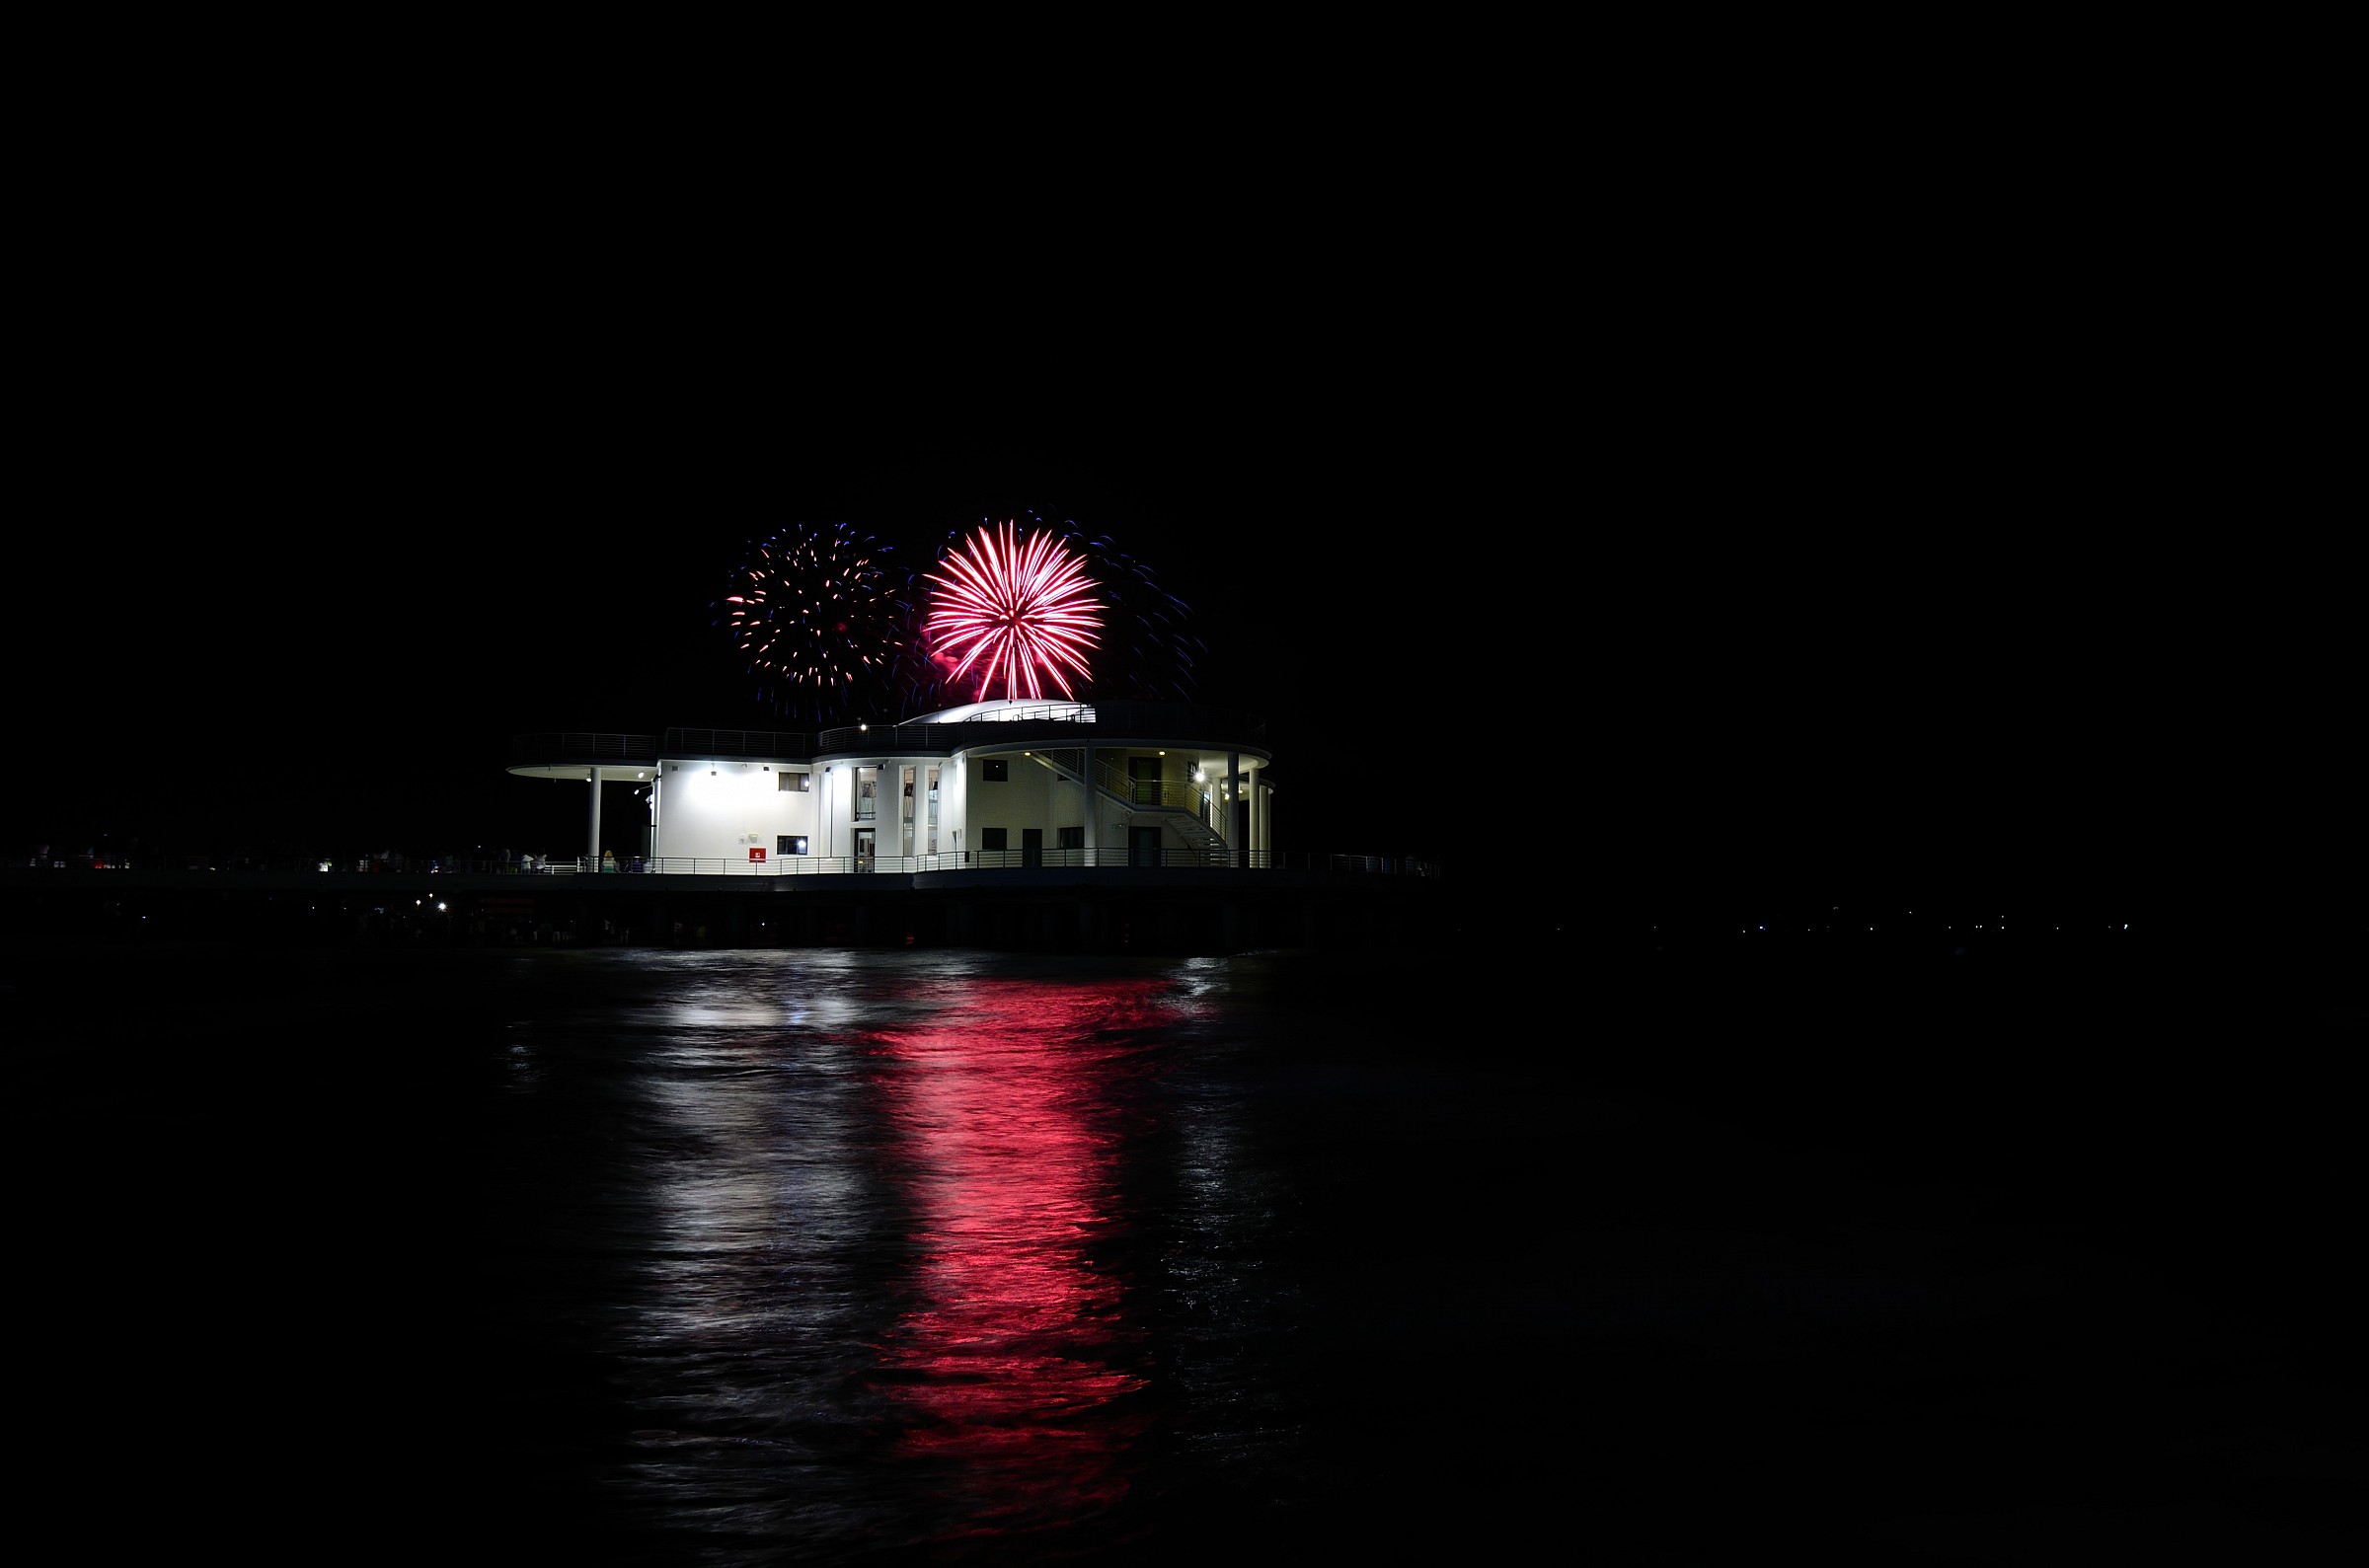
[985, 785]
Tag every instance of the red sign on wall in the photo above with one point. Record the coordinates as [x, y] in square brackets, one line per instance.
[755, 853]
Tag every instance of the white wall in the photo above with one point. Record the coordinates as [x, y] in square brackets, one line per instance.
[1033, 797]
[719, 817]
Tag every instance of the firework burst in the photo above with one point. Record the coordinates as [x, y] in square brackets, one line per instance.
[1145, 647]
[1015, 609]
[820, 619]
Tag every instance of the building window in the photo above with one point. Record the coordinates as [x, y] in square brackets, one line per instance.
[790, 784]
[790, 844]
[995, 770]
[1073, 837]
[991, 838]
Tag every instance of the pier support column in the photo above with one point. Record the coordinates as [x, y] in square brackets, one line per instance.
[592, 842]
[1238, 812]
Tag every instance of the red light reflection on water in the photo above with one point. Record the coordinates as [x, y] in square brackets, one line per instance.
[1018, 1345]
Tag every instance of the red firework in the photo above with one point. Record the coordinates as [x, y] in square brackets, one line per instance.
[1014, 609]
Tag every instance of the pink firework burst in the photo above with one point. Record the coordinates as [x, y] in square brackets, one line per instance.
[1012, 610]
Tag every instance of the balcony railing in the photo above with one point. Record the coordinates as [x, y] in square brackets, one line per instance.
[772, 866]
[1060, 722]
[583, 746]
[733, 744]
[1020, 859]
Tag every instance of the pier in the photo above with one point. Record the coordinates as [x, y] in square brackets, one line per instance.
[1116, 909]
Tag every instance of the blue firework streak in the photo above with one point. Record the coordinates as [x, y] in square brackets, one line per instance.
[820, 618]
[1147, 648]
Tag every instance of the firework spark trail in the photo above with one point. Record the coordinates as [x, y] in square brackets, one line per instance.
[1147, 649]
[1017, 608]
[818, 617]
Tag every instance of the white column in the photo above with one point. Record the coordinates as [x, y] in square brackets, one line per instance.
[594, 849]
[1237, 818]
[1094, 805]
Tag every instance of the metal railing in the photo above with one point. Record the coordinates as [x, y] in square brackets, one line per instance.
[1028, 859]
[1058, 722]
[740, 743]
[1219, 857]
[585, 746]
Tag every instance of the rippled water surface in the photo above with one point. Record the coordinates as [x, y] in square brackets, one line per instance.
[898, 1251]
[830, 1256]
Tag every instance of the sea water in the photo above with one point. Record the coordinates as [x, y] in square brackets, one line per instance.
[846, 1256]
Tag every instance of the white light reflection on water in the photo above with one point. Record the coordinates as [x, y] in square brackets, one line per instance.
[890, 1228]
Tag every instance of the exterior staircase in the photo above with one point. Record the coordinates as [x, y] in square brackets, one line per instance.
[1178, 806]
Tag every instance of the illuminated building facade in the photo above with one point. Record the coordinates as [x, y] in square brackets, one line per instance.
[987, 786]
